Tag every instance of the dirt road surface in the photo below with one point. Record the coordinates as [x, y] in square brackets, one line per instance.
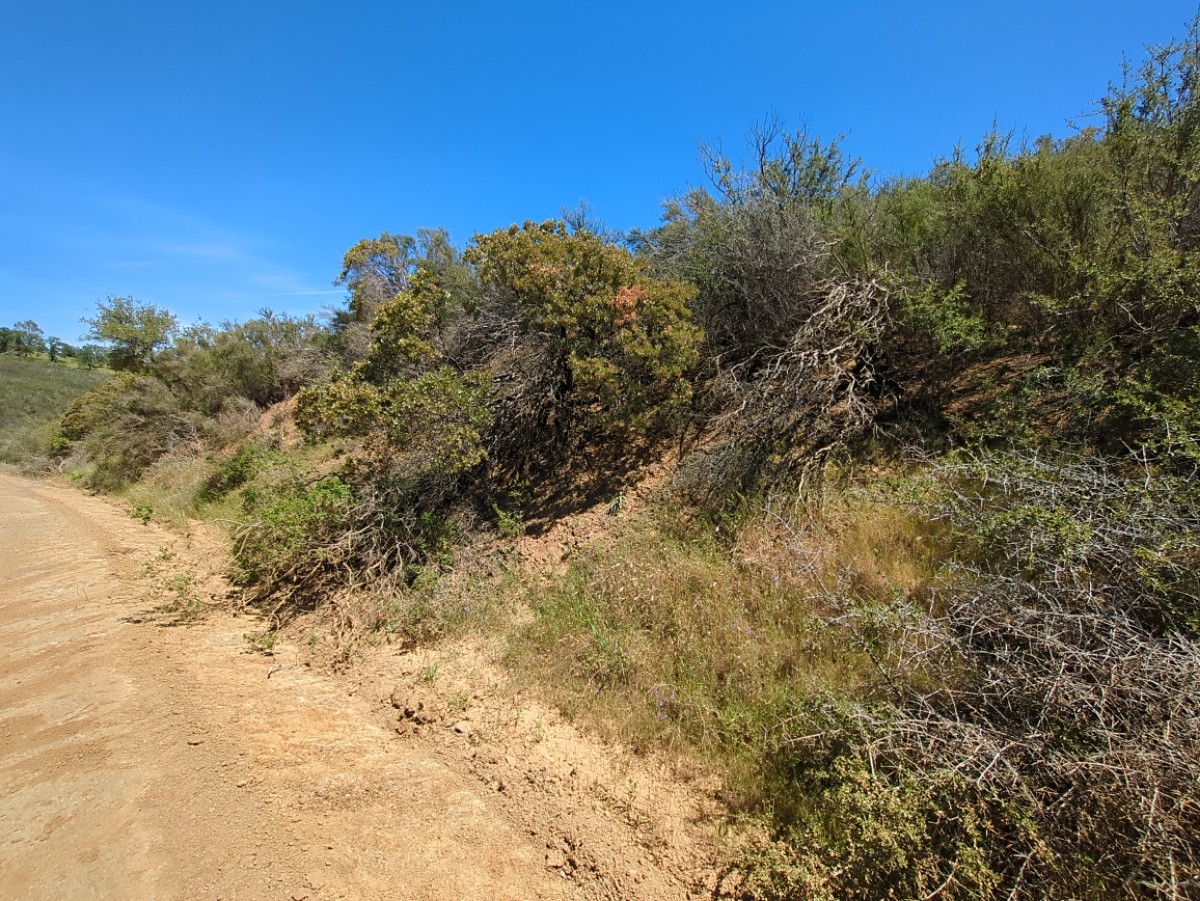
[147, 757]
[139, 761]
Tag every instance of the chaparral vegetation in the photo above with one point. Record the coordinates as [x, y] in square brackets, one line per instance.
[919, 568]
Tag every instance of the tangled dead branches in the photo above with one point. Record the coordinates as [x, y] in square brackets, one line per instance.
[792, 403]
[357, 530]
[1047, 698]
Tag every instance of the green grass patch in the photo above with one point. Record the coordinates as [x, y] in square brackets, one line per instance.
[34, 394]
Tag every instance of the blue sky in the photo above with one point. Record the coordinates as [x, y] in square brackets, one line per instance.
[219, 157]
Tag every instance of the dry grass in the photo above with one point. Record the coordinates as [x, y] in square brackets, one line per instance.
[168, 490]
[196, 482]
[674, 636]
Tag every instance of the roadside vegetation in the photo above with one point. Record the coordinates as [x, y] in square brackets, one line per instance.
[923, 579]
[35, 393]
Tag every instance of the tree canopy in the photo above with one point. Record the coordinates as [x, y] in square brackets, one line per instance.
[24, 339]
[134, 331]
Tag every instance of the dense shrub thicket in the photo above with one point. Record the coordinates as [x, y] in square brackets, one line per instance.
[1032, 728]
[1018, 334]
[203, 391]
[536, 345]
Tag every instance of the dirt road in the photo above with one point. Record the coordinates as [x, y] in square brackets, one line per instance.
[141, 761]
[145, 756]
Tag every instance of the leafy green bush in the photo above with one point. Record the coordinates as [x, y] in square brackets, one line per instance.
[859, 835]
[237, 470]
[367, 526]
[125, 425]
[294, 531]
[263, 360]
[944, 317]
[134, 331]
[474, 375]
[434, 422]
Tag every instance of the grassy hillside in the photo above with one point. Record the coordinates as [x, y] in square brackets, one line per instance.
[33, 396]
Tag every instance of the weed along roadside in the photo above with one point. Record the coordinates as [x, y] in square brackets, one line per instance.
[836, 537]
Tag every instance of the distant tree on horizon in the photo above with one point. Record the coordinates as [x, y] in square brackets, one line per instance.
[24, 339]
[91, 356]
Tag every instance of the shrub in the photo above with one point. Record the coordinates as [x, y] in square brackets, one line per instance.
[812, 394]
[235, 471]
[294, 532]
[1033, 730]
[584, 341]
[433, 422]
[125, 425]
[367, 526]
[263, 361]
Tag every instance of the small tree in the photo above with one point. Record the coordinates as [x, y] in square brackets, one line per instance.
[135, 331]
[27, 338]
[89, 356]
[374, 270]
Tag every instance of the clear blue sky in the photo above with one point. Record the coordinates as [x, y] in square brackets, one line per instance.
[218, 157]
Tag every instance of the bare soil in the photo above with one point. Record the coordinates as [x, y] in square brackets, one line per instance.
[146, 754]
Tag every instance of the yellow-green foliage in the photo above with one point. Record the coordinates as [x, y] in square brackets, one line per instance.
[433, 422]
[627, 339]
[862, 838]
[602, 346]
[431, 416]
[402, 330]
[125, 425]
[135, 331]
[294, 527]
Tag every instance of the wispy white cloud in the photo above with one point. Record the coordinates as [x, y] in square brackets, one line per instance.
[283, 282]
[236, 263]
[196, 266]
[201, 250]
